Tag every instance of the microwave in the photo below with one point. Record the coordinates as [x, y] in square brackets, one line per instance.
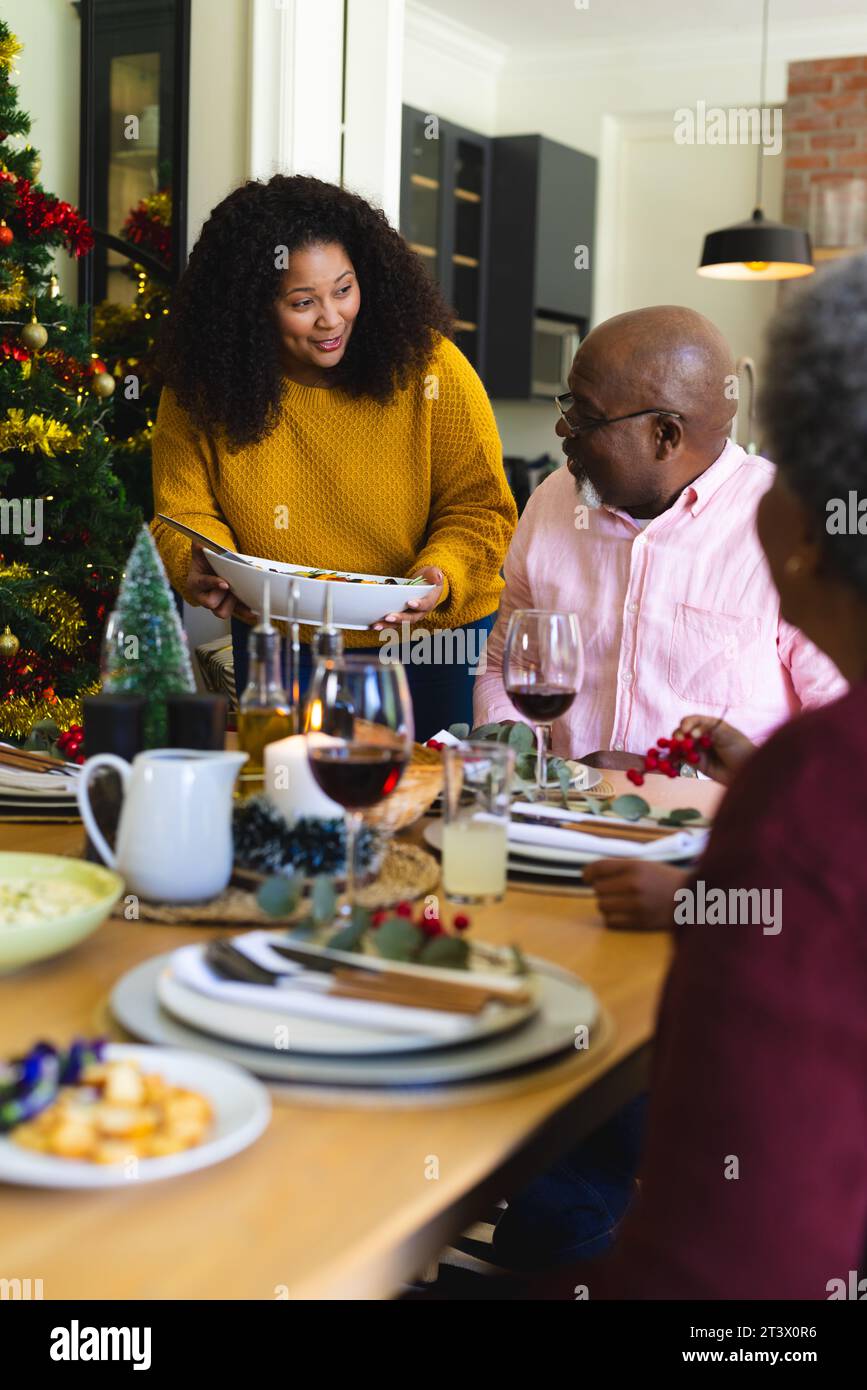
[555, 343]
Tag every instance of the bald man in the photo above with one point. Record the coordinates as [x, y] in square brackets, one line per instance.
[648, 535]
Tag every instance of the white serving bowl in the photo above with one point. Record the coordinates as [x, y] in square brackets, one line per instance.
[355, 606]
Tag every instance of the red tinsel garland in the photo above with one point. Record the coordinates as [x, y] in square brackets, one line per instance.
[144, 230]
[39, 213]
[25, 674]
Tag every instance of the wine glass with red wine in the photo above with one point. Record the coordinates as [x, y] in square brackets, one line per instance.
[543, 667]
[364, 710]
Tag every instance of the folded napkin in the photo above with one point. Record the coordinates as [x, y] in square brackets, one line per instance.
[680, 844]
[307, 994]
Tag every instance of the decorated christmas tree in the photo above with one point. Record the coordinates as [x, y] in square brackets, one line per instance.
[145, 648]
[65, 522]
[125, 336]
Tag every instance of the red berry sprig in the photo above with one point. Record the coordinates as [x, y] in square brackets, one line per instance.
[669, 755]
[71, 744]
[435, 743]
[431, 926]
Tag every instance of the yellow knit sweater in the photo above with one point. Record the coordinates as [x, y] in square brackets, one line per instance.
[349, 484]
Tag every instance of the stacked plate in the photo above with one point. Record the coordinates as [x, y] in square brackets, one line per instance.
[37, 795]
[296, 1029]
[546, 842]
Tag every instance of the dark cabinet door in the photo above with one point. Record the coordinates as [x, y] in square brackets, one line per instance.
[564, 231]
[445, 217]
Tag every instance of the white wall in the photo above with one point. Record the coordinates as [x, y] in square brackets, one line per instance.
[219, 101]
[47, 76]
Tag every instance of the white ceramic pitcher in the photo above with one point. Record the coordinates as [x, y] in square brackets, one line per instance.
[174, 840]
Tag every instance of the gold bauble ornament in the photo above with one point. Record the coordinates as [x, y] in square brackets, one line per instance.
[103, 385]
[9, 644]
[34, 335]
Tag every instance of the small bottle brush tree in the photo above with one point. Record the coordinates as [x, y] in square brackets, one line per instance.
[145, 647]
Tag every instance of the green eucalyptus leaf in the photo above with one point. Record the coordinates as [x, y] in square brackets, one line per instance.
[520, 737]
[278, 895]
[525, 766]
[630, 807]
[564, 777]
[451, 952]
[323, 898]
[519, 960]
[351, 937]
[484, 731]
[593, 805]
[303, 930]
[460, 731]
[398, 939]
[683, 813]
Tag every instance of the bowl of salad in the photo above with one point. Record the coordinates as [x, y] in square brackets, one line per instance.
[358, 600]
[49, 903]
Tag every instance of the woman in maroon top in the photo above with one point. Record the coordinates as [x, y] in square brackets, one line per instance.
[754, 1174]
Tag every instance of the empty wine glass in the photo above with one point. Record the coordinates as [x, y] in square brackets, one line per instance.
[543, 667]
[360, 732]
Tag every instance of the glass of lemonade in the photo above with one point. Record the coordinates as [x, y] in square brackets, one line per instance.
[476, 801]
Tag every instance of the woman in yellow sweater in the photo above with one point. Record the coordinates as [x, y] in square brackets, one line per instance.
[316, 412]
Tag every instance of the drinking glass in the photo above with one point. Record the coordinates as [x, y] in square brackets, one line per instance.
[476, 801]
[543, 667]
[362, 712]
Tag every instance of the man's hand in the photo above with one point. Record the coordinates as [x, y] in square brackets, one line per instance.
[417, 607]
[207, 588]
[633, 896]
[730, 749]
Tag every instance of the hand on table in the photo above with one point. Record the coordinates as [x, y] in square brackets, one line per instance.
[417, 607]
[730, 750]
[634, 896]
[206, 587]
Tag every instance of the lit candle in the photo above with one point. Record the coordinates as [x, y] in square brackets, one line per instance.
[289, 783]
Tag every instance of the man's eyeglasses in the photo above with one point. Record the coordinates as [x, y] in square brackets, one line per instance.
[566, 402]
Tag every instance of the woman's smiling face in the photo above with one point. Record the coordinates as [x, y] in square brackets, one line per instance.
[317, 304]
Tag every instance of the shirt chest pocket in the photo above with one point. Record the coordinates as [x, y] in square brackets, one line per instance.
[710, 660]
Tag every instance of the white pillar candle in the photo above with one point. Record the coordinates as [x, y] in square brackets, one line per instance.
[290, 785]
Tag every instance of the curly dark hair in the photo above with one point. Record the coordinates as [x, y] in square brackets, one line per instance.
[814, 402]
[219, 350]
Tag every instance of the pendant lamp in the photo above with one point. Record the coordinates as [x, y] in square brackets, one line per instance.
[757, 249]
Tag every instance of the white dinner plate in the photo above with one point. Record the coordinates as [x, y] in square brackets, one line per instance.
[242, 1110]
[355, 606]
[565, 1004]
[543, 854]
[323, 1036]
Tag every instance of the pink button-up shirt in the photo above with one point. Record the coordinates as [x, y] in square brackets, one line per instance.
[678, 616]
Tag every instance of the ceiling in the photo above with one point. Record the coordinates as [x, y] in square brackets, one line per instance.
[519, 24]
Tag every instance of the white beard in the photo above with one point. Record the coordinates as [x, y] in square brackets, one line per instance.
[589, 495]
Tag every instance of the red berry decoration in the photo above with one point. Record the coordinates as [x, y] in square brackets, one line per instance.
[461, 922]
[403, 910]
[377, 918]
[7, 236]
[677, 751]
[431, 926]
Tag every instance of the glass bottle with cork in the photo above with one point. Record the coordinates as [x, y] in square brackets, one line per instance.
[265, 711]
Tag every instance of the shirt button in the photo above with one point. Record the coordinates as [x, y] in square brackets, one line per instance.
[640, 539]
[618, 747]
[633, 608]
[626, 677]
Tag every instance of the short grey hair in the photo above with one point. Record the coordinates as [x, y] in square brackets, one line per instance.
[814, 402]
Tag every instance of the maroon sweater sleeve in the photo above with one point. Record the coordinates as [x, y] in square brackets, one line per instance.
[754, 1179]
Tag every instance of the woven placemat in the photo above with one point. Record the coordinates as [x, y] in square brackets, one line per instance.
[407, 873]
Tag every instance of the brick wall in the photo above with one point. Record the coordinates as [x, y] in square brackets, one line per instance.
[825, 125]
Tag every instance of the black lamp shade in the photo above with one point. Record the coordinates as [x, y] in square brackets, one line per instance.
[757, 250]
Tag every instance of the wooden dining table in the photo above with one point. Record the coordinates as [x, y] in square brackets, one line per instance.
[344, 1196]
